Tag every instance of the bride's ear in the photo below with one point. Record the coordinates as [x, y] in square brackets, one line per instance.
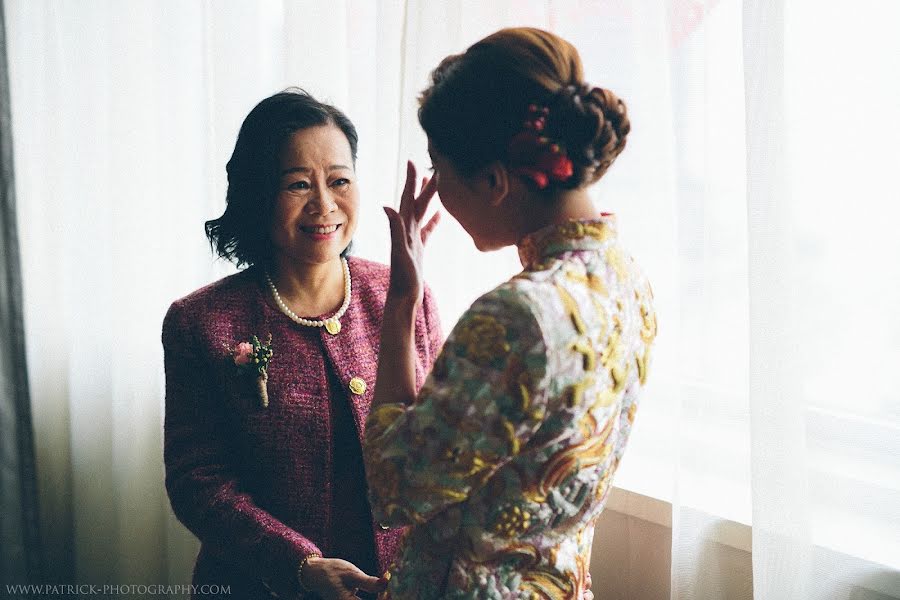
[497, 179]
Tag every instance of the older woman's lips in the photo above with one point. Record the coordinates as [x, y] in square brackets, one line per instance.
[320, 232]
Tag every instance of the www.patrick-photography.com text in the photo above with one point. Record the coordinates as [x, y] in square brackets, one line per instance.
[115, 590]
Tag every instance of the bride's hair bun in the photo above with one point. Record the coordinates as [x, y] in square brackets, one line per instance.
[592, 124]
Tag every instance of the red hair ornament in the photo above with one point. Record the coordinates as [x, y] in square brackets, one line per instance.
[534, 156]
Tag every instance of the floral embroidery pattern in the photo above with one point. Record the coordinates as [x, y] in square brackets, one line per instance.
[512, 521]
[483, 340]
[254, 357]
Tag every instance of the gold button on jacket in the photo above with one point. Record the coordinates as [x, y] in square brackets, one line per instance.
[358, 386]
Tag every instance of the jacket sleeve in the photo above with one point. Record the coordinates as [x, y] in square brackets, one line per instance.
[483, 400]
[203, 488]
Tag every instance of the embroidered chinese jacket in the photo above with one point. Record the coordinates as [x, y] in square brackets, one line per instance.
[505, 461]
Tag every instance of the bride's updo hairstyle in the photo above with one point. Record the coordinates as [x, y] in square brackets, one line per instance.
[519, 96]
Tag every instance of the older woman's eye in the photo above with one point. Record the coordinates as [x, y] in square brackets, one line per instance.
[298, 185]
[341, 182]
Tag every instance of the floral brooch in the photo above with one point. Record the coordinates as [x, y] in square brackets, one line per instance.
[254, 356]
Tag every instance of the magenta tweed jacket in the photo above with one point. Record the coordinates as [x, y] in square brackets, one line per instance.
[252, 483]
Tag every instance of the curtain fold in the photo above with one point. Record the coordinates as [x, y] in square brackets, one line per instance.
[21, 556]
[782, 543]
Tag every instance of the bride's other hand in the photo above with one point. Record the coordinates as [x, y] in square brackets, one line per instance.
[409, 235]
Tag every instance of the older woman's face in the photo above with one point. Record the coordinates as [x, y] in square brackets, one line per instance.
[315, 211]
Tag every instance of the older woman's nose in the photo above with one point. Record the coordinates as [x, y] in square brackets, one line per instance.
[322, 204]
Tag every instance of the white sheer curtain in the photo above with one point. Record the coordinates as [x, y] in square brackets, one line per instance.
[788, 419]
[757, 190]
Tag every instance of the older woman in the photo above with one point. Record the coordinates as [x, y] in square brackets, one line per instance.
[270, 372]
[503, 460]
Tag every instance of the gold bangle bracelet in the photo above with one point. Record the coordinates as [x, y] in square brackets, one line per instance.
[303, 562]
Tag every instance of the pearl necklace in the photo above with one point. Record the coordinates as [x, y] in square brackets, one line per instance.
[333, 323]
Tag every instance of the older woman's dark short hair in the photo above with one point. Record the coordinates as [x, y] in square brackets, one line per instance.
[241, 234]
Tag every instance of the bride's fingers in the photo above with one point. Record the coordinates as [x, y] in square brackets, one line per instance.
[407, 198]
[424, 198]
[429, 227]
[396, 225]
[422, 187]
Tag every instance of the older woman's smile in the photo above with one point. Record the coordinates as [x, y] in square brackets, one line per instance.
[320, 232]
[320, 228]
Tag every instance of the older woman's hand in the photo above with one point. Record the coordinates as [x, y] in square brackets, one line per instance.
[336, 579]
[408, 236]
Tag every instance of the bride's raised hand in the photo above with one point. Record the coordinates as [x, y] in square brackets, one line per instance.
[409, 235]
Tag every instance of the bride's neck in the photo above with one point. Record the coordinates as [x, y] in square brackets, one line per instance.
[566, 206]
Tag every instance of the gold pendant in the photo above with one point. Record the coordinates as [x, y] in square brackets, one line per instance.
[333, 327]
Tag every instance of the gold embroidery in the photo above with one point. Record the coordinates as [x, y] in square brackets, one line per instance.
[512, 521]
[575, 229]
[518, 382]
[451, 494]
[571, 308]
[593, 281]
[612, 350]
[619, 376]
[587, 423]
[604, 399]
[525, 398]
[511, 437]
[548, 585]
[603, 484]
[590, 356]
[641, 362]
[465, 464]
[648, 328]
[602, 316]
[577, 276]
[383, 417]
[484, 339]
[393, 508]
[568, 461]
[575, 392]
[617, 262]
[525, 555]
[581, 562]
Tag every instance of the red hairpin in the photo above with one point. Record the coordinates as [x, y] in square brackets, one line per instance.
[534, 156]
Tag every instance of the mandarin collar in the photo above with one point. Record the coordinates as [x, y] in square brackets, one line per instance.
[540, 247]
